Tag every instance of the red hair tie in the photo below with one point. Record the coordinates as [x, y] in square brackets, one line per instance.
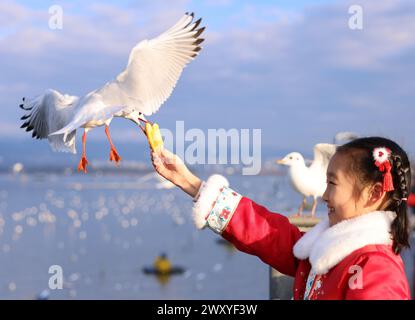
[381, 156]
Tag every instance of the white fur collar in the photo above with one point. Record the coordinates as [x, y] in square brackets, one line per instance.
[326, 246]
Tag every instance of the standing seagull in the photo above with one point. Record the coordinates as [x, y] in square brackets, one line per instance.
[309, 181]
[153, 69]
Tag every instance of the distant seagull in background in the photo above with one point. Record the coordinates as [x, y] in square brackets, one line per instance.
[161, 183]
[344, 137]
[153, 69]
[309, 181]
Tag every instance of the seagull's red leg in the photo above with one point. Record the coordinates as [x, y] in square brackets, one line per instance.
[114, 156]
[300, 209]
[83, 162]
[313, 209]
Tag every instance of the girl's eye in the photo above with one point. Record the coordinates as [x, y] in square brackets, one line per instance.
[330, 182]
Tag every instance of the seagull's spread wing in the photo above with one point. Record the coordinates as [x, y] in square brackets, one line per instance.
[47, 113]
[154, 67]
[322, 155]
[94, 111]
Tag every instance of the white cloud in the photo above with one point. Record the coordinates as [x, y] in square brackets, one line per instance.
[288, 66]
[12, 14]
[219, 3]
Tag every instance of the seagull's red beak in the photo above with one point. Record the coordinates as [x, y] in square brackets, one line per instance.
[141, 126]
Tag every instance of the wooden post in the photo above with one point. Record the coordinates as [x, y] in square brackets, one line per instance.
[280, 285]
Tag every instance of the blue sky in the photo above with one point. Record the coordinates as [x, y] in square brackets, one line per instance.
[292, 68]
[199, 4]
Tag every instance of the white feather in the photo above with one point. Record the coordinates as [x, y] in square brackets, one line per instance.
[50, 112]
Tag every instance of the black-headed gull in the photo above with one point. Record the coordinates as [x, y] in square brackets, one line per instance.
[309, 181]
[153, 69]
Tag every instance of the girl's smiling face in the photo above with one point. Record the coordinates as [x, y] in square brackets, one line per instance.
[344, 197]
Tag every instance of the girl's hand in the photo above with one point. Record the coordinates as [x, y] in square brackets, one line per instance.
[172, 168]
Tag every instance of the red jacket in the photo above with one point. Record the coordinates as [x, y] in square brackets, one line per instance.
[371, 271]
[411, 200]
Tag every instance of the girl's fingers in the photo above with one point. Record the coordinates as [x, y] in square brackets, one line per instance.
[164, 156]
[168, 157]
[155, 158]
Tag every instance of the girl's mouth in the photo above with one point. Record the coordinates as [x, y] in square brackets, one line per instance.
[331, 210]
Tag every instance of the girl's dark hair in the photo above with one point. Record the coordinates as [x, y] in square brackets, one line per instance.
[362, 165]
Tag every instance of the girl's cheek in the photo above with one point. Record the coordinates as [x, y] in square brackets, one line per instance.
[329, 192]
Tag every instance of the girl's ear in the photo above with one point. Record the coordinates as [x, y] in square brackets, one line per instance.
[376, 193]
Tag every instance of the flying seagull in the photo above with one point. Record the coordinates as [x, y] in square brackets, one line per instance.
[153, 69]
[309, 181]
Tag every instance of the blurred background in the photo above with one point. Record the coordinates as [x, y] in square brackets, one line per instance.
[294, 69]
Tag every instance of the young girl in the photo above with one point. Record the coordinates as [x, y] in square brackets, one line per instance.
[351, 254]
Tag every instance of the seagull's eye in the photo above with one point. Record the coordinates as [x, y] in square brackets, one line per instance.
[291, 158]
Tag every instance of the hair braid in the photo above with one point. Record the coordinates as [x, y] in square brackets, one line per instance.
[402, 183]
[400, 224]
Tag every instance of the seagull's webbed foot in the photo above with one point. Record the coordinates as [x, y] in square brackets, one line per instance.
[114, 156]
[82, 164]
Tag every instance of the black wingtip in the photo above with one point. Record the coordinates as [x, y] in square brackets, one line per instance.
[24, 125]
[197, 24]
[197, 49]
[21, 106]
[199, 32]
[198, 41]
[25, 117]
[29, 128]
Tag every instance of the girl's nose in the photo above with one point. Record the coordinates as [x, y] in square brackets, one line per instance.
[324, 197]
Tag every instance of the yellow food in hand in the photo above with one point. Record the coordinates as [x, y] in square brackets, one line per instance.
[154, 136]
[149, 133]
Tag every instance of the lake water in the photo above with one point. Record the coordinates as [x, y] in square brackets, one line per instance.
[103, 229]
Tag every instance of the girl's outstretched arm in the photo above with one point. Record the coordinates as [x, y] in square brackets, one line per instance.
[250, 227]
